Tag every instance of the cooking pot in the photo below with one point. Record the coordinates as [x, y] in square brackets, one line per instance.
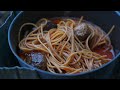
[104, 19]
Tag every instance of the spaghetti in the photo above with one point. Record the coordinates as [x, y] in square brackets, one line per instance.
[64, 51]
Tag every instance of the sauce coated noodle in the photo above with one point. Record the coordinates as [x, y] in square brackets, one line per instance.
[69, 45]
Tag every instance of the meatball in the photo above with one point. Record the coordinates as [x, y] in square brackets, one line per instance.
[82, 31]
[35, 59]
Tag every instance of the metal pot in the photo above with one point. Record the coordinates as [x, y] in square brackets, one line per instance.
[104, 19]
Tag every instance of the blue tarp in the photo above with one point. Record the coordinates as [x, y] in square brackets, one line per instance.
[9, 67]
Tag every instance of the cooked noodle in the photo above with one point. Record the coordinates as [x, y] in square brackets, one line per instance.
[64, 52]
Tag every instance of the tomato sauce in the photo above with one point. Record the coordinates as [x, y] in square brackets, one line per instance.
[105, 50]
[55, 20]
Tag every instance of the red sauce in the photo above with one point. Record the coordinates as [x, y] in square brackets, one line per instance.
[105, 50]
[56, 20]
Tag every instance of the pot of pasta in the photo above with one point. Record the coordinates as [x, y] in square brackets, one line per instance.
[66, 44]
